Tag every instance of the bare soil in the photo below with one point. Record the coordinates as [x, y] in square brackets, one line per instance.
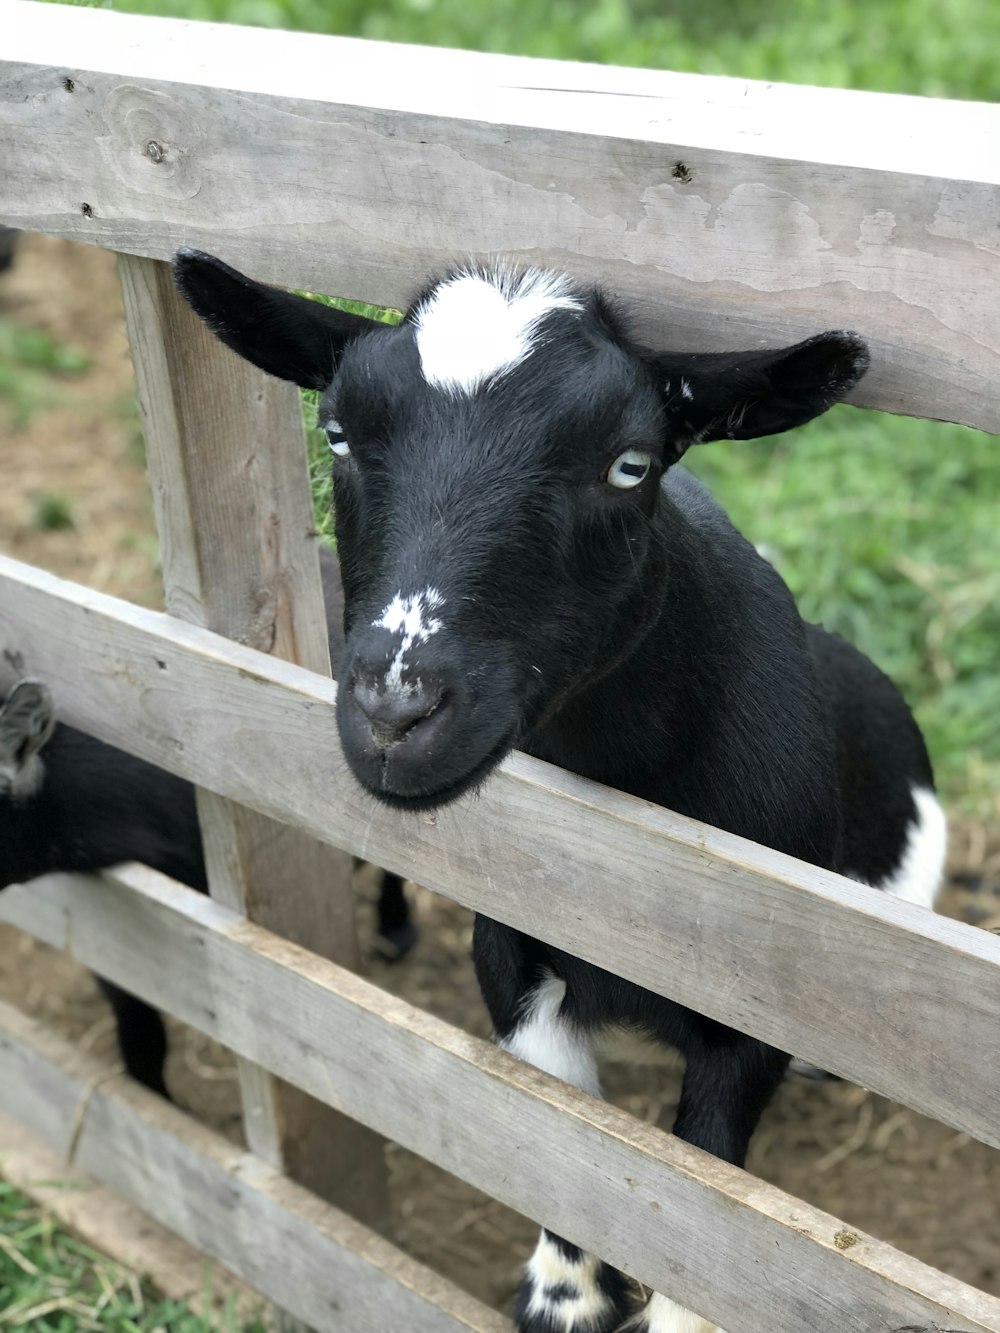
[878, 1166]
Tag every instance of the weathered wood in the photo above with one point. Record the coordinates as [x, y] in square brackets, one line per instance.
[877, 990]
[227, 461]
[649, 1203]
[108, 1222]
[314, 1260]
[730, 213]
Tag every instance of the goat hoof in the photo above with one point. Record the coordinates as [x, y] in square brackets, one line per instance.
[392, 945]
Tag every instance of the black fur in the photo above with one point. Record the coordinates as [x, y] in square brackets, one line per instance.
[97, 806]
[633, 636]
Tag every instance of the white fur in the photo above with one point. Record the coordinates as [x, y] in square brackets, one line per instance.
[662, 1315]
[548, 1041]
[918, 877]
[409, 616]
[475, 326]
[547, 1268]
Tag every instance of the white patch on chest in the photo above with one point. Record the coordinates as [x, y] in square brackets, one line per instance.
[411, 617]
[547, 1040]
[476, 326]
[917, 878]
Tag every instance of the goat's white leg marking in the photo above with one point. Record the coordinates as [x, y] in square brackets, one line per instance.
[411, 617]
[548, 1041]
[918, 877]
[662, 1315]
[566, 1293]
[480, 324]
[561, 1290]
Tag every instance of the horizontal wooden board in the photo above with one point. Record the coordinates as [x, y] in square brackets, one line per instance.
[309, 1257]
[106, 1220]
[729, 213]
[721, 1242]
[878, 990]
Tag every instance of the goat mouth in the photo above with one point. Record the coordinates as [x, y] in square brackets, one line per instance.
[434, 798]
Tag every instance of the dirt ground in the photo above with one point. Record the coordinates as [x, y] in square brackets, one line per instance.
[879, 1167]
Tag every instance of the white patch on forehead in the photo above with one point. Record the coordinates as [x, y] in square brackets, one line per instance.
[411, 617]
[475, 326]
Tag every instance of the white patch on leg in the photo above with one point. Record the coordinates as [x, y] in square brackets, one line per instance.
[918, 877]
[547, 1040]
[409, 616]
[564, 1291]
[662, 1315]
[477, 325]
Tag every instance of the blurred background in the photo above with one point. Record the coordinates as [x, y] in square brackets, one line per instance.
[887, 529]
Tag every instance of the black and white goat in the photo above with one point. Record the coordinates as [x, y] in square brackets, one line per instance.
[525, 565]
[70, 802]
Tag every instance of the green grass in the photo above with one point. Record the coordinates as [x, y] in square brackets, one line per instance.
[911, 46]
[30, 363]
[50, 512]
[887, 531]
[51, 1282]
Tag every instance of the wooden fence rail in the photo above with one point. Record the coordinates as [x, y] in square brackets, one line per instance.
[902, 1000]
[314, 1260]
[649, 1203]
[730, 213]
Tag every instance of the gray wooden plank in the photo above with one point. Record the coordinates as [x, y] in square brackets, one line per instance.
[227, 461]
[877, 990]
[311, 1258]
[721, 1242]
[729, 213]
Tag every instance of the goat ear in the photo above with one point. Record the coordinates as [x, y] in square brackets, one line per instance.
[284, 334]
[744, 395]
[27, 720]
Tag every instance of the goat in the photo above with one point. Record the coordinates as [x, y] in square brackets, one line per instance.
[70, 802]
[526, 564]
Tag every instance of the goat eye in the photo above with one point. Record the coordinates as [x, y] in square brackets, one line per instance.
[629, 469]
[338, 441]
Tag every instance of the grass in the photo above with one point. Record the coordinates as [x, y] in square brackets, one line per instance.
[51, 1282]
[30, 363]
[886, 530]
[910, 46]
[51, 512]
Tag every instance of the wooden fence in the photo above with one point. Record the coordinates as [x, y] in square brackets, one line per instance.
[730, 213]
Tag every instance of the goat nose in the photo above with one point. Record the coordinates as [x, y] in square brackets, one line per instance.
[392, 713]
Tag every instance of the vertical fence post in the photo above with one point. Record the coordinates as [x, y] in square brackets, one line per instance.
[227, 462]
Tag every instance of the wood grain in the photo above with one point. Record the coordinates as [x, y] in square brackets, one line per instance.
[728, 213]
[312, 1259]
[880, 991]
[227, 462]
[647, 1202]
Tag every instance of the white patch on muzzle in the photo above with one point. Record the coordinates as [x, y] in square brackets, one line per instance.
[411, 617]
